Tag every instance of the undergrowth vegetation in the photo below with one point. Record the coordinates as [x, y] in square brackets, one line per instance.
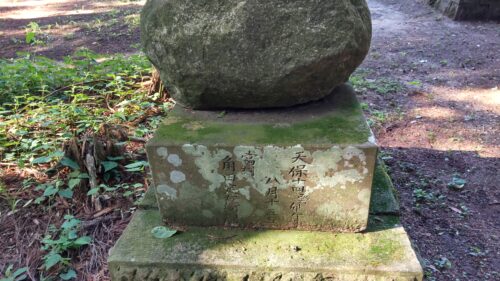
[72, 137]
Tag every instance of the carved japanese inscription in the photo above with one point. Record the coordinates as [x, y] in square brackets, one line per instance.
[295, 187]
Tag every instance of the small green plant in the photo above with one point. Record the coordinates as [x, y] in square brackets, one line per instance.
[124, 189]
[457, 183]
[33, 32]
[422, 195]
[443, 263]
[415, 83]
[477, 252]
[431, 136]
[59, 241]
[132, 21]
[46, 104]
[17, 275]
[382, 86]
[377, 117]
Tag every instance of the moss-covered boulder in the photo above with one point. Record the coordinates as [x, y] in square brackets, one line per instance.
[254, 54]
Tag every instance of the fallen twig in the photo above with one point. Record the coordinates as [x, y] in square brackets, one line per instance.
[104, 211]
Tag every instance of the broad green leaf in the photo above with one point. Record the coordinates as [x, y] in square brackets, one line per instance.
[113, 188]
[19, 272]
[135, 170]
[162, 232]
[136, 164]
[52, 259]
[9, 269]
[109, 165]
[83, 176]
[74, 182]
[70, 163]
[72, 235]
[40, 199]
[110, 158]
[50, 190]
[30, 37]
[41, 160]
[68, 217]
[58, 153]
[93, 191]
[71, 223]
[66, 193]
[70, 274]
[84, 240]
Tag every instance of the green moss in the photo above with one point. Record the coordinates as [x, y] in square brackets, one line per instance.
[341, 127]
[384, 250]
[377, 223]
[255, 248]
[337, 119]
[148, 202]
[383, 200]
[326, 130]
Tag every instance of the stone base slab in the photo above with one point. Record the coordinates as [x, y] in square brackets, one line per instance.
[229, 254]
[382, 253]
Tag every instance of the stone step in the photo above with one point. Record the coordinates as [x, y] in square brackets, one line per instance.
[382, 253]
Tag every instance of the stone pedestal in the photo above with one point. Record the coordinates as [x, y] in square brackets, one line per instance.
[308, 167]
[267, 195]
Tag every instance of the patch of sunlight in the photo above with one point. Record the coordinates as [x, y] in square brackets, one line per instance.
[48, 8]
[436, 112]
[477, 99]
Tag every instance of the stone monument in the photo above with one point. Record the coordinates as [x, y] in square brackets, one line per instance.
[468, 9]
[266, 167]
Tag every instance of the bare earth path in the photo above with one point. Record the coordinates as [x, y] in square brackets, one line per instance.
[429, 85]
[444, 124]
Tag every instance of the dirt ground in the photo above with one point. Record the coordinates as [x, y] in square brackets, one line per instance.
[443, 125]
[438, 129]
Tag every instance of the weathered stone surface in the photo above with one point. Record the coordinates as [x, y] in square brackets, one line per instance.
[310, 170]
[217, 254]
[137, 256]
[468, 9]
[383, 200]
[254, 54]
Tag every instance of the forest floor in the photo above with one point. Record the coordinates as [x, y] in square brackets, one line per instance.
[429, 87]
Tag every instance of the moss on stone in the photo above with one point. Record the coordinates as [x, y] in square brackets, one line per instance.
[332, 129]
[148, 202]
[383, 200]
[376, 223]
[342, 123]
[379, 253]
[254, 54]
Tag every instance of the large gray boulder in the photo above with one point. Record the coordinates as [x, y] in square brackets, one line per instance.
[255, 53]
